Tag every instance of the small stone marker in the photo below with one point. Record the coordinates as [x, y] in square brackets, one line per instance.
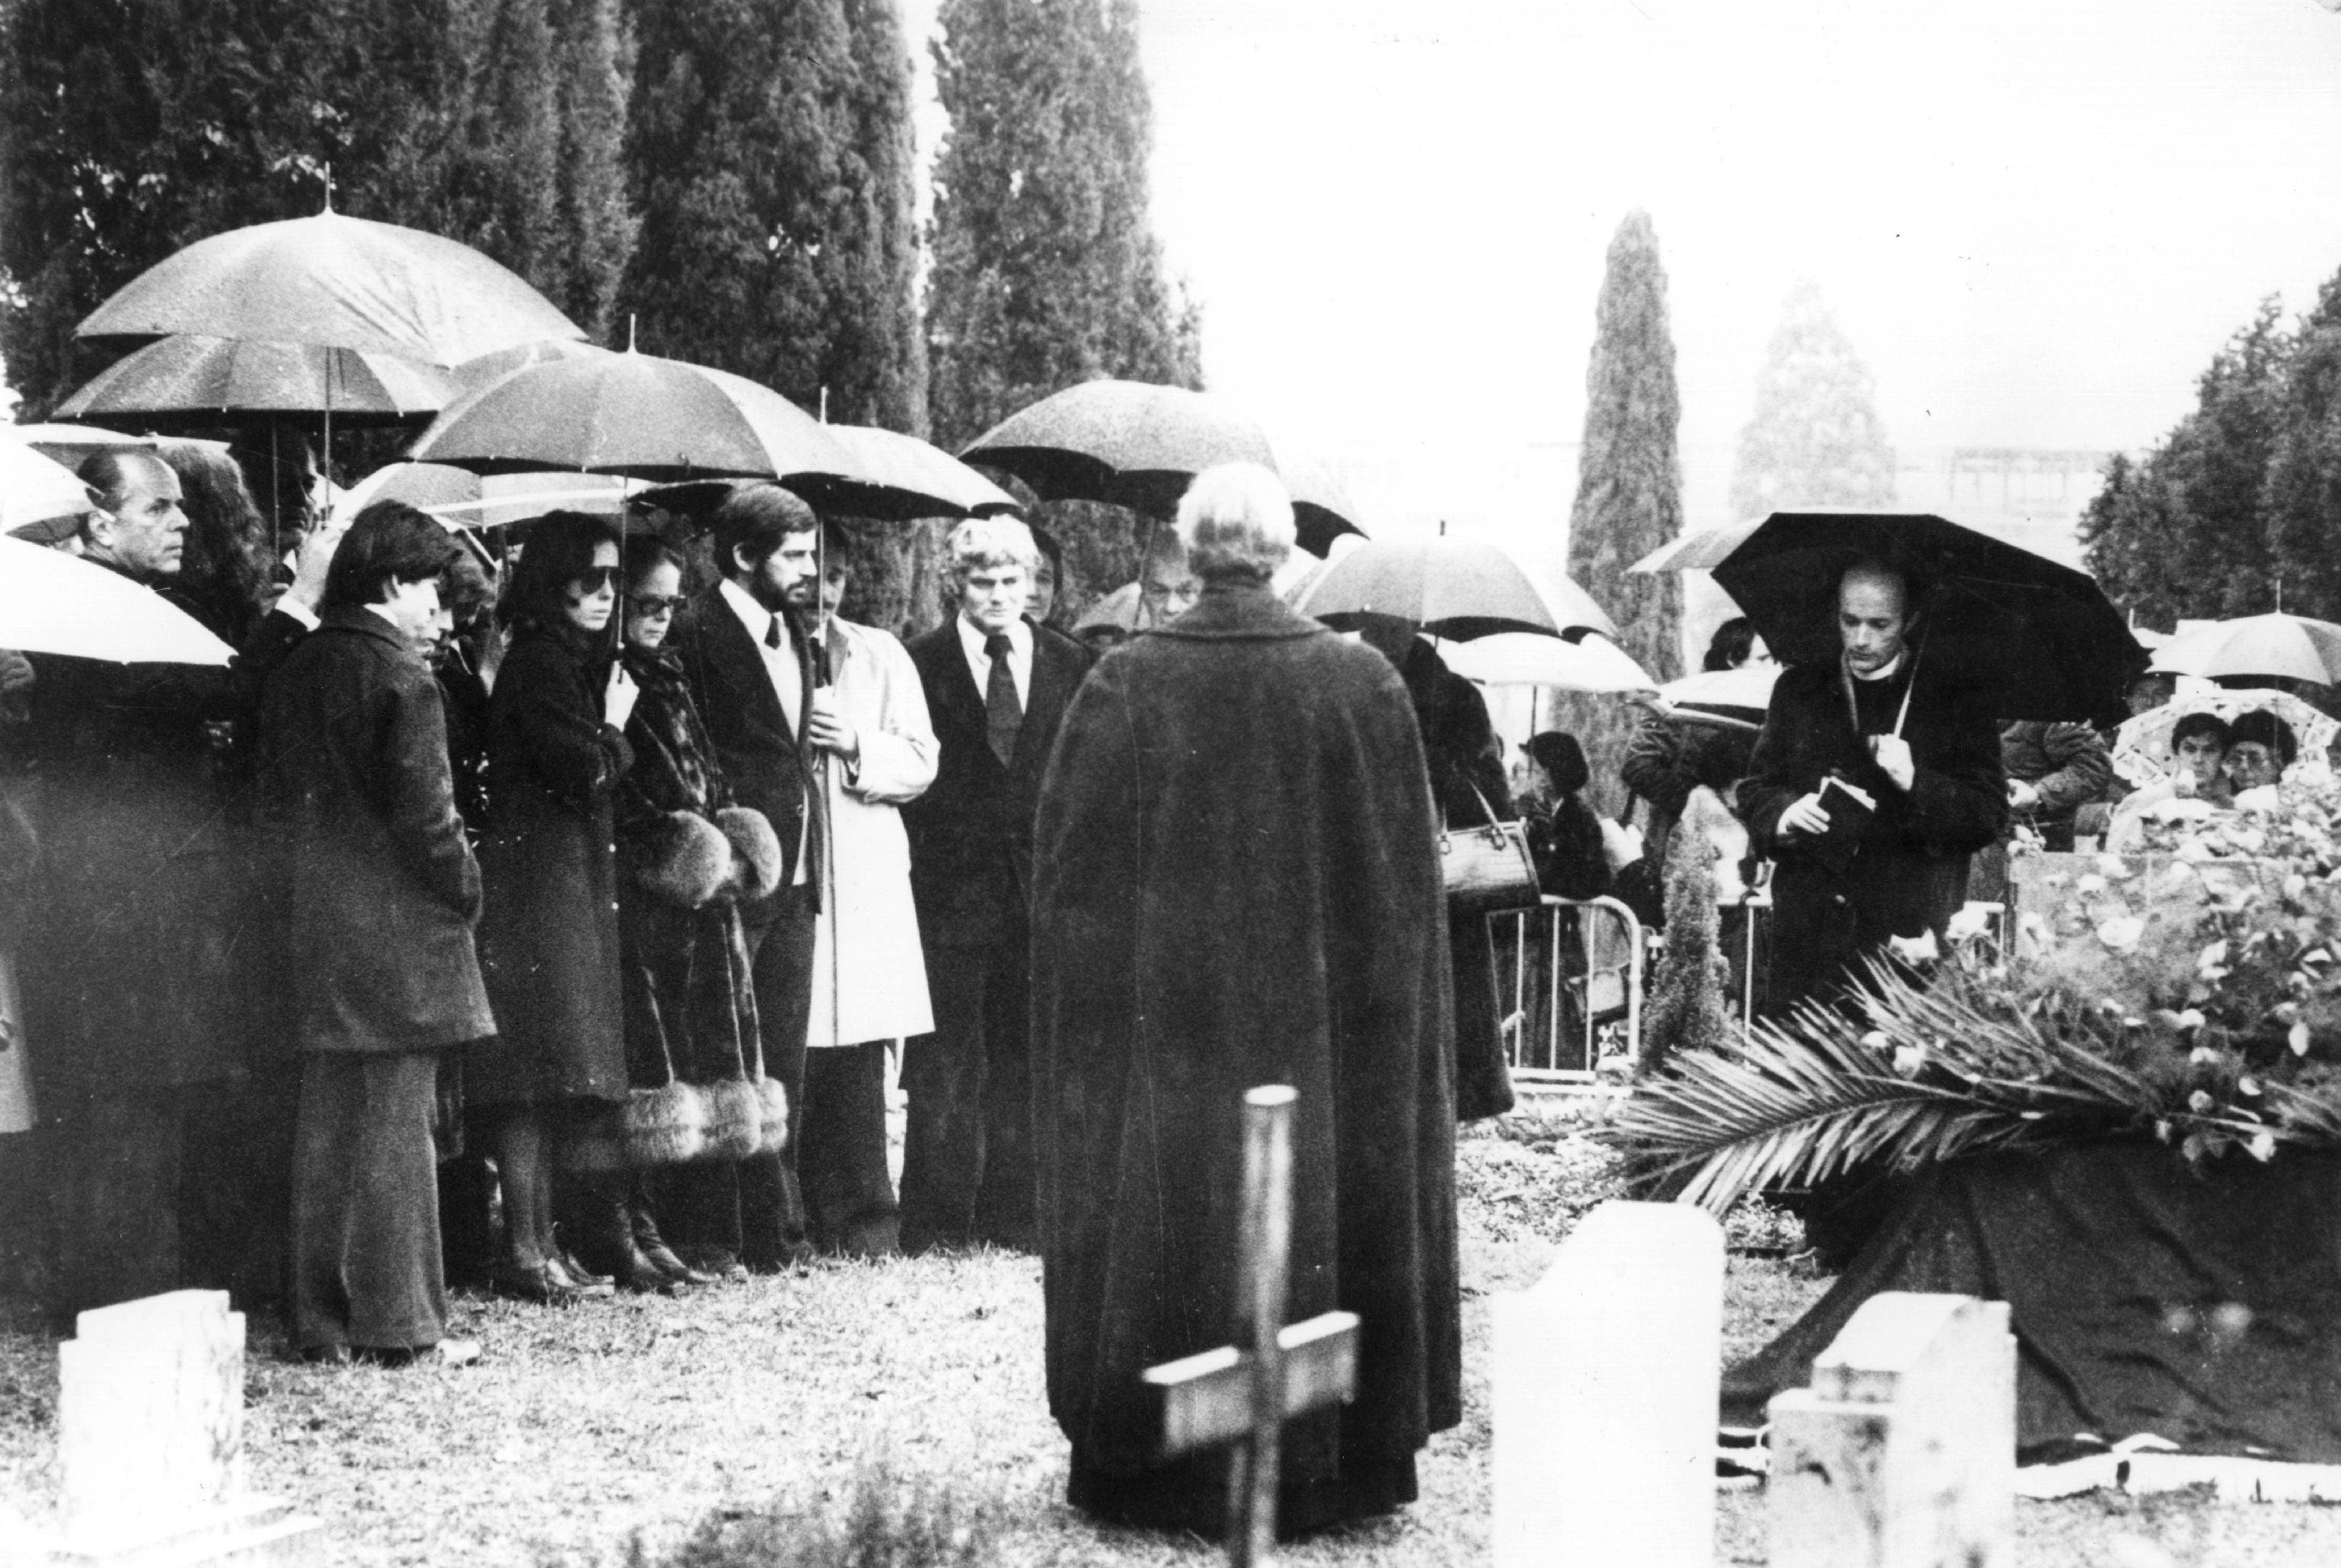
[1243, 1394]
[1607, 1373]
[1902, 1453]
[150, 1439]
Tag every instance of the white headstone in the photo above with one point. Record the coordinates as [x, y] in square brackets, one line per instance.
[1608, 1372]
[150, 1439]
[1902, 1453]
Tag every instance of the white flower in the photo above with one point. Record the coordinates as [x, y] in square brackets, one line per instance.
[2262, 1148]
[2122, 932]
[2203, 1057]
[1909, 1059]
[2116, 868]
[1918, 949]
[2090, 887]
[2263, 799]
[2213, 955]
[2295, 886]
[1876, 1039]
[1973, 920]
[2247, 1084]
[2297, 1038]
[2200, 1103]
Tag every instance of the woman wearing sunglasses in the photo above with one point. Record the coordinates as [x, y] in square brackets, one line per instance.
[549, 938]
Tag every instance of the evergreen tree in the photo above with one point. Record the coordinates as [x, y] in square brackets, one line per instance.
[593, 66]
[2301, 494]
[1687, 1011]
[766, 148]
[1629, 488]
[1816, 439]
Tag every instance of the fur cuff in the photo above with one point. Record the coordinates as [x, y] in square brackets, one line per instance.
[735, 1120]
[666, 1126]
[755, 870]
[773, 1100]
[682, 860]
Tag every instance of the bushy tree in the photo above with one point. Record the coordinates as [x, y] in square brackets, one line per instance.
[768, 151]
[1629, 488]
[593, 69]
[1816, 439]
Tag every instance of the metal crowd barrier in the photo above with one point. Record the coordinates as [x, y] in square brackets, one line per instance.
[1596, 984]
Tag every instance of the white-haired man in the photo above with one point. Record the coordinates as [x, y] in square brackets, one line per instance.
[997, 684]
[1235, 883]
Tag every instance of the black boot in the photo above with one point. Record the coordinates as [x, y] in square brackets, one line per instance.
[606, 1242]
[654, 1249]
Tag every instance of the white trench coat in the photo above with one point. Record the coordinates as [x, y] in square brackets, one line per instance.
[869, 975]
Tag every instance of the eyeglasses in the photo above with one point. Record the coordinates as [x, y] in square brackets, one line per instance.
[648, 604]
[594, 578]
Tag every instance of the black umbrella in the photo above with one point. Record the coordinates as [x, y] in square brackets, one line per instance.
[2041, 637]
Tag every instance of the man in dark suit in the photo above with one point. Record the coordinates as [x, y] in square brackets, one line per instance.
[744, 648]
[997, 685]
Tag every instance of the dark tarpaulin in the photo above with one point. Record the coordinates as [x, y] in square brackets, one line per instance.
[2203, 1308]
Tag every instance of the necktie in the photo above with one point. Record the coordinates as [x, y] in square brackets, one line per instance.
[1003, 715]
[772, 633]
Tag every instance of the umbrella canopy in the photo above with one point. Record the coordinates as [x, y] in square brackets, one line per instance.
[2142, 744]
[635, 414]
[2290, 647]
[1452, 588]
[2040, 636]
[1119, 608]
[1139, 445]
[1728, 699]
[460, 497]
[52, 603]
[334, 282]
[35, 489]
[74, 444]
[1701, 550]
[193, 376]
[489, 368]
[1591, 663]
[908, 479]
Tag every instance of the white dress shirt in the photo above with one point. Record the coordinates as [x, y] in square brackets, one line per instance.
[971, 639]
[781, 664]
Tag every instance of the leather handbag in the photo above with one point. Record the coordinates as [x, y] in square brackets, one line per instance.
[1487, 868]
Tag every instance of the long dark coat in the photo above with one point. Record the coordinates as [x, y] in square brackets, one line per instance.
[383, 889]
[1236, 884]
[1909, 873]
[760, 756]
[549, 944]
[972, 832]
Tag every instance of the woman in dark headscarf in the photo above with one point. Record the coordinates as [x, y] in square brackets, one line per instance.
[549, 941]
[1564, 835]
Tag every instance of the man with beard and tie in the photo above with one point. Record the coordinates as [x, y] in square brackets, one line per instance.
[997, 685]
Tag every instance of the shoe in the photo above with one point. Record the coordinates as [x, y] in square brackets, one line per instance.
[325, 1354]
[717, 1261]
[445, 1353]
[536, 1281]
[654, 1251]
[586, 1283]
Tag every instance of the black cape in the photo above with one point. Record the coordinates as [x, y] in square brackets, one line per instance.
[1235, 885]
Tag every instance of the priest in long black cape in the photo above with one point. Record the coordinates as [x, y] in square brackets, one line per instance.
[1237, 884]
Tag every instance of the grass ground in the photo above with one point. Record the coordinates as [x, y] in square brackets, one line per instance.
[618, 1428]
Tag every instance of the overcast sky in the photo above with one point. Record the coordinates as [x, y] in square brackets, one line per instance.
[2036, 219]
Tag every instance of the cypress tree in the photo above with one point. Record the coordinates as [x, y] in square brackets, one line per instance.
[1816, 439]
[1629, 488]
[595, 222]
[766, 146]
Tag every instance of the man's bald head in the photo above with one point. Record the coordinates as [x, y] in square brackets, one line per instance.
[1874, 616]
[139, 526]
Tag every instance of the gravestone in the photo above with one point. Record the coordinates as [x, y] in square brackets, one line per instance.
[1902, 1453]
[150, 1440]
[1608, 1372]
[1241, 1396]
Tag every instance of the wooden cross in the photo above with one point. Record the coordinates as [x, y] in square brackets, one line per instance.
[1243, 1394]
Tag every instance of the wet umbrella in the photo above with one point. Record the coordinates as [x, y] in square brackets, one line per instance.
[2287, 646]
[193, 376]
[52, 603]
[1139, 445]
[334, 282]
[74, 444]
[1452, 588]
[2040, 636]
[36, 490]
[1701, 550]
[635, 414]
[1726, 699]
[2141, 750]
[906, 478]
[468, 500]
[1591, 663]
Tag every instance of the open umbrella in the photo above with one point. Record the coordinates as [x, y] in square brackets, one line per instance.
[1452, 588]
[74, 444]
[1591, 663]
[1701, 550]
[468, 500]
[35, 489]
[2289, 647]
[52, 603]
[2142, 744]
[193, 376]
[336, 282]
[1139, 445]
[1727, 699]
[2040, 636]
[905, 478]
[635, 414]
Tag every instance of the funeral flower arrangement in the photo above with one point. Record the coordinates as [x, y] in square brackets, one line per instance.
[2191, 994]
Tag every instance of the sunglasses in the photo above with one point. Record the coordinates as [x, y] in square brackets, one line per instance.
[594, 578]
[648, 604]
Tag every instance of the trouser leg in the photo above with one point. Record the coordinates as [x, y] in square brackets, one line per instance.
[943, 1077]
[1004, 1198]
[365, 1204]
[848, 1197]
[113, 1166]
[771, 1200]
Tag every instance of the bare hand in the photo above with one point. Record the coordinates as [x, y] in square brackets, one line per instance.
[826, 726]
[1892, 755]
[618, 701]
[311, 561]
[2022, 795]
[1806, 817]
